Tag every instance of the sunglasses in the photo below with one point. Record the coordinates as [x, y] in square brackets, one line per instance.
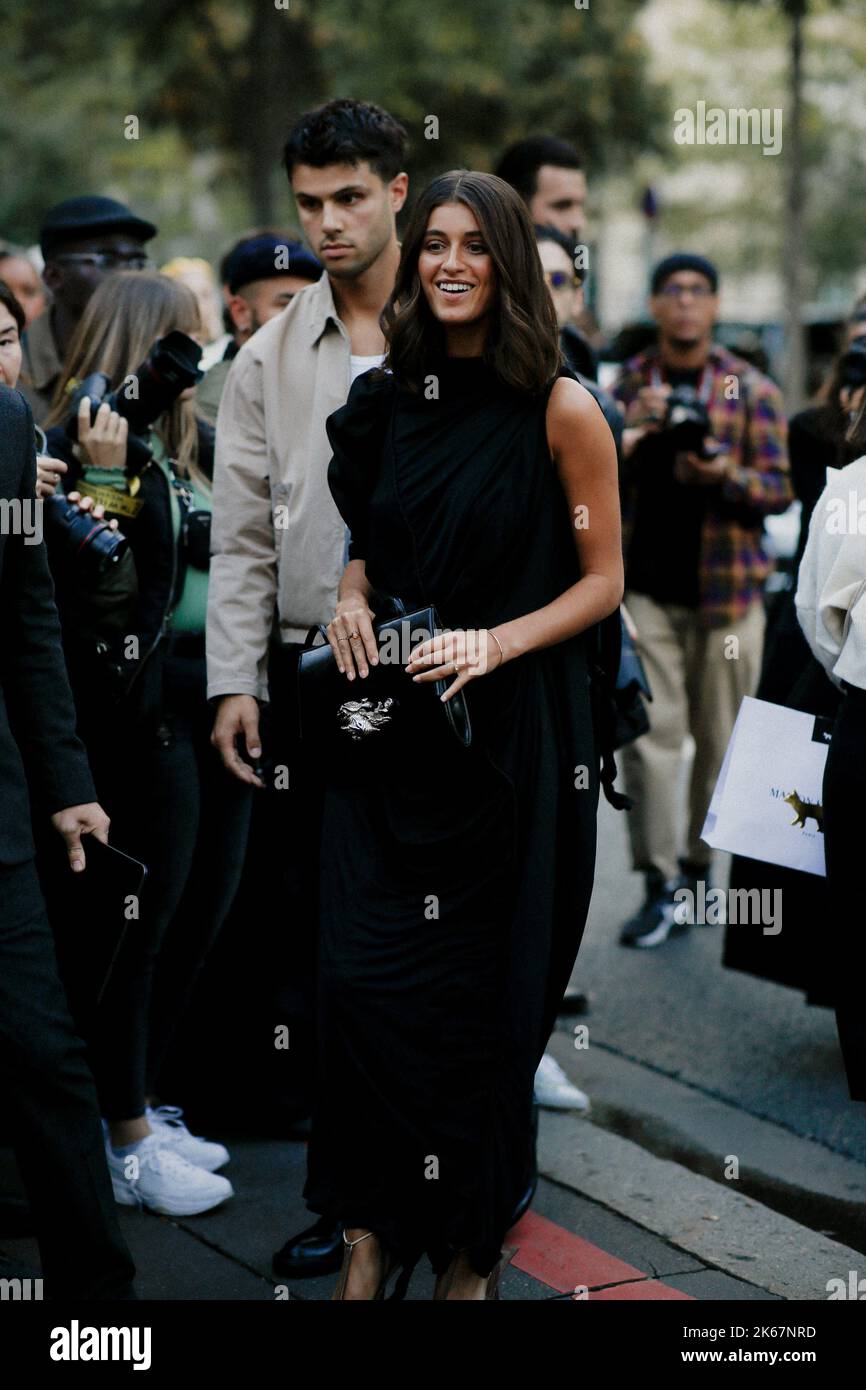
[678, 291]
[560, 279]
[105, 260]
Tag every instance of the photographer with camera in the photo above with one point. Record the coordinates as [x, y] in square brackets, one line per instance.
[705, 460]
[133, 603]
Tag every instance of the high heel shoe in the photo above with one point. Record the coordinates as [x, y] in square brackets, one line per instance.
[392, 1264]
[492, 1290]
[445, 1280]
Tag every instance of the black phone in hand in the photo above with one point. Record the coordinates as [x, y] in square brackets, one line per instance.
[93, 917]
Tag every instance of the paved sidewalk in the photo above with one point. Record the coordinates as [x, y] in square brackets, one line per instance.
[610, 1221]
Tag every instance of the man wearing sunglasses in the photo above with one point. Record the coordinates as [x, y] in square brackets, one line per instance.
[82, 240]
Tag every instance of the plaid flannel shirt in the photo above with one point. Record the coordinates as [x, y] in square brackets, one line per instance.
[752, 427]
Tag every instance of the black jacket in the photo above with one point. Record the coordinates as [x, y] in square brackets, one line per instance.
[37, 716]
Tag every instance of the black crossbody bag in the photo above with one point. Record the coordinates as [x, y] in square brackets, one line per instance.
[386, 717]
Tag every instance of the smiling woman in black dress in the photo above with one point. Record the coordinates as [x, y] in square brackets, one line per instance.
[475, 475]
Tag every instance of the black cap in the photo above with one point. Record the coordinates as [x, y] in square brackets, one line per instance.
[76, 218]
[265, 256]
[684, 260]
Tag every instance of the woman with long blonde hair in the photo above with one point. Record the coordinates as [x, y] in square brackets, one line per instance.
[133, 636]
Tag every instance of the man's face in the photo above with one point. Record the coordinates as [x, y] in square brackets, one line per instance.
[73, 270]
[23, 280]
[256, 303]
[562, 282]
[347, 214]
[559, 200]
[685, 308]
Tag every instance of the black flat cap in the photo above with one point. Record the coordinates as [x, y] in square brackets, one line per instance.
[76, 218]
[265, 256]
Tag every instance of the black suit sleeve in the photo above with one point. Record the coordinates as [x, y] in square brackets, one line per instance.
[32, 670]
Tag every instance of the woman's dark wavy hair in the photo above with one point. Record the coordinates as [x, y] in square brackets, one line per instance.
[522, 345]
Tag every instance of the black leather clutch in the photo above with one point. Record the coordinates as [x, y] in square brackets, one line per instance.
[386, 714]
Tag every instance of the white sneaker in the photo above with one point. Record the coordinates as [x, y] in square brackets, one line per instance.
[166, 1122]
[163, 1181]
[553, 1088]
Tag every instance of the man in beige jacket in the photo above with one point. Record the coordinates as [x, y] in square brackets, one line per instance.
[278, 545]
[278, 539]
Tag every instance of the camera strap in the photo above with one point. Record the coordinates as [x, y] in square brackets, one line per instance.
[185, 501]
[183, 493]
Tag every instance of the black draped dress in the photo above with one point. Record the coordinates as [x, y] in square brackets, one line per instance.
[453, 896]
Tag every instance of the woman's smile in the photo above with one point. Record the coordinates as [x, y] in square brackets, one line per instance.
[454, 289]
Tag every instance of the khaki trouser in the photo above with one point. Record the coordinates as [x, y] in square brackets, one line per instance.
[697, 685]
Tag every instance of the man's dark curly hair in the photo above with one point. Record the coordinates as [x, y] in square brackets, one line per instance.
[346, 132]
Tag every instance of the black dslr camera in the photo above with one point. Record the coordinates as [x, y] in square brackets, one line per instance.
[94, 541]
[169, 368]
[87, 541]
[687, 422]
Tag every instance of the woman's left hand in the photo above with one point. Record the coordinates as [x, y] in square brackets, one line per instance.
[97, 510]
[464, 653]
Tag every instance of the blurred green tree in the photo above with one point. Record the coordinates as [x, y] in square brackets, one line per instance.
[216, 84]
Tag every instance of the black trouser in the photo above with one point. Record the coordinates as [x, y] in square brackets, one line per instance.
[262, 973]
[49, 1090]
[187, 818]
[844, 785]
[292, 836]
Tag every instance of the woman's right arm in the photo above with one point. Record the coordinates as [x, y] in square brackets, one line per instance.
[350, 631]
[356, 432]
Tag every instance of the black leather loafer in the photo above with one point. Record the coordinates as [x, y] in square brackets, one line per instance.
[318, 1250]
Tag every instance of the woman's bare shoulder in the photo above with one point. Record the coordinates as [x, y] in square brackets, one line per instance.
[571, 407]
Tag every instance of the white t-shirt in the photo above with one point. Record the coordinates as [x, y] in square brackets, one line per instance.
[364, 364]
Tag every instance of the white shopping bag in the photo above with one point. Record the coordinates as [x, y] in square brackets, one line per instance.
[767, 800]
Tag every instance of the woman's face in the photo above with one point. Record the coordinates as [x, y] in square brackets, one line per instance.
[455, 268]
[10, 348]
